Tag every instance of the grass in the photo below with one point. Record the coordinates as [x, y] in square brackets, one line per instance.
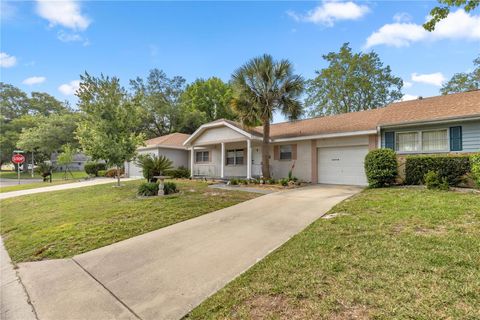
[55, 176]
[33, 185]
[398, 253]
[65, 223]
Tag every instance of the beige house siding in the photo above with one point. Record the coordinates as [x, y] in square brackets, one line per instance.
[178, 157]
[302, 170]
[215, 135]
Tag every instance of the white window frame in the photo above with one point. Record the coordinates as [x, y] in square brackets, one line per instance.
[420, 141]
[235, 157]
[280, 152]
[203, 156]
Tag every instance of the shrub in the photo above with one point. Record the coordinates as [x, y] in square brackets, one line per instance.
[92, 167]
[102, 173]
[271, 181]
[234, 182]
[451, 167]
[170, 187]
[475, 168]
[179, 173]
[112, 173]
[433, 181]
[381, 167]
[283, 182]
[153, 166]
[148, 189]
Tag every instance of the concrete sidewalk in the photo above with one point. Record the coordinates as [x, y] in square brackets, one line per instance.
[13, 298]
[165, 273]
[73, 185]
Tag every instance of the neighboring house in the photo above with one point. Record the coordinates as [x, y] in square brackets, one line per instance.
[78, 163]
[332, 149]
[170, 146]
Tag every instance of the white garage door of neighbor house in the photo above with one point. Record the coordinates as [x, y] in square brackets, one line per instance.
[342, 165]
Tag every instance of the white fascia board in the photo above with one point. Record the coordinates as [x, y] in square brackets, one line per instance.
[214, 125]
[328, 135]
[160, 146]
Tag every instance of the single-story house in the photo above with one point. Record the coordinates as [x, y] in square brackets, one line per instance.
[328, 149]
[78, 163]
[170, 146]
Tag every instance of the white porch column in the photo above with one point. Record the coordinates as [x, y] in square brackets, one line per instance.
[222, 162]
[249, 159]
[192, 160]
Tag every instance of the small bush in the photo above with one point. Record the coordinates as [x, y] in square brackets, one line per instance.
[381, 167]
[451, 167]
[148, 189]
[283, 182]
[101, 173]
[92, 168]
[475, 168]
[179, 173]
[433, 181]
[270, 181]
[234, 182]
[112, 173]
[170, 188]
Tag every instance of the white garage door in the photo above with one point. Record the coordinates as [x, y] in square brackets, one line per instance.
[342, 165]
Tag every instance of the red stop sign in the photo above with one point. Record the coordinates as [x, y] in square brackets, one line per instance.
[18, 158]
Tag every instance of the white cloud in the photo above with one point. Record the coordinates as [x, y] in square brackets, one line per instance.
[72, 37]
[70, 88]
[331, 11]
[34, 80]
[66, 13]
[407, 97]
[458, 25]
[6, 60]
[435, 79]
[402, 17]
[407, 84]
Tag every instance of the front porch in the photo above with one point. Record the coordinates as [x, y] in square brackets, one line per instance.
[226, 160]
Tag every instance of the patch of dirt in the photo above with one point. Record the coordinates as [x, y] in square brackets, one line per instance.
[277, 307]
[398, 228]
[440, 230]
[335, 214]
[353, 312]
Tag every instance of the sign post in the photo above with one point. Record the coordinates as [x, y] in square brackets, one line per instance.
[18, 159]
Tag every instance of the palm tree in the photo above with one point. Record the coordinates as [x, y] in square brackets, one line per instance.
[261, 87]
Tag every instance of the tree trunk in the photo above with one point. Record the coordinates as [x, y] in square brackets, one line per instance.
[265, 149]
[118, 176]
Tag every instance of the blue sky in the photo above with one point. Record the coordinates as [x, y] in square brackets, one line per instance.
[45, 45]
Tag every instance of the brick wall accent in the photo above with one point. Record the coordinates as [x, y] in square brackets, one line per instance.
[372, 142]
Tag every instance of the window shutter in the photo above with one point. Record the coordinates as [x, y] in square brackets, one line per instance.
[456, 138]
[276, 152]
[209, 156]
[294, 152]
[390, 140]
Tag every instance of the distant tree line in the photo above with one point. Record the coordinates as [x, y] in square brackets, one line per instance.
[110, 121]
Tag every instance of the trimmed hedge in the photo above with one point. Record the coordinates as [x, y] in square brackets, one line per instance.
[179, 173]
[92, 168]
[475, 164]
[450, 167]
[381, 167]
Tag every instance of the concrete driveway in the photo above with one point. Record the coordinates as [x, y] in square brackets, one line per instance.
[166, 273]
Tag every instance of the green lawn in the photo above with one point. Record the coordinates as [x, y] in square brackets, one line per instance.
[399, 253]
[64, 223]
[55, 175]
